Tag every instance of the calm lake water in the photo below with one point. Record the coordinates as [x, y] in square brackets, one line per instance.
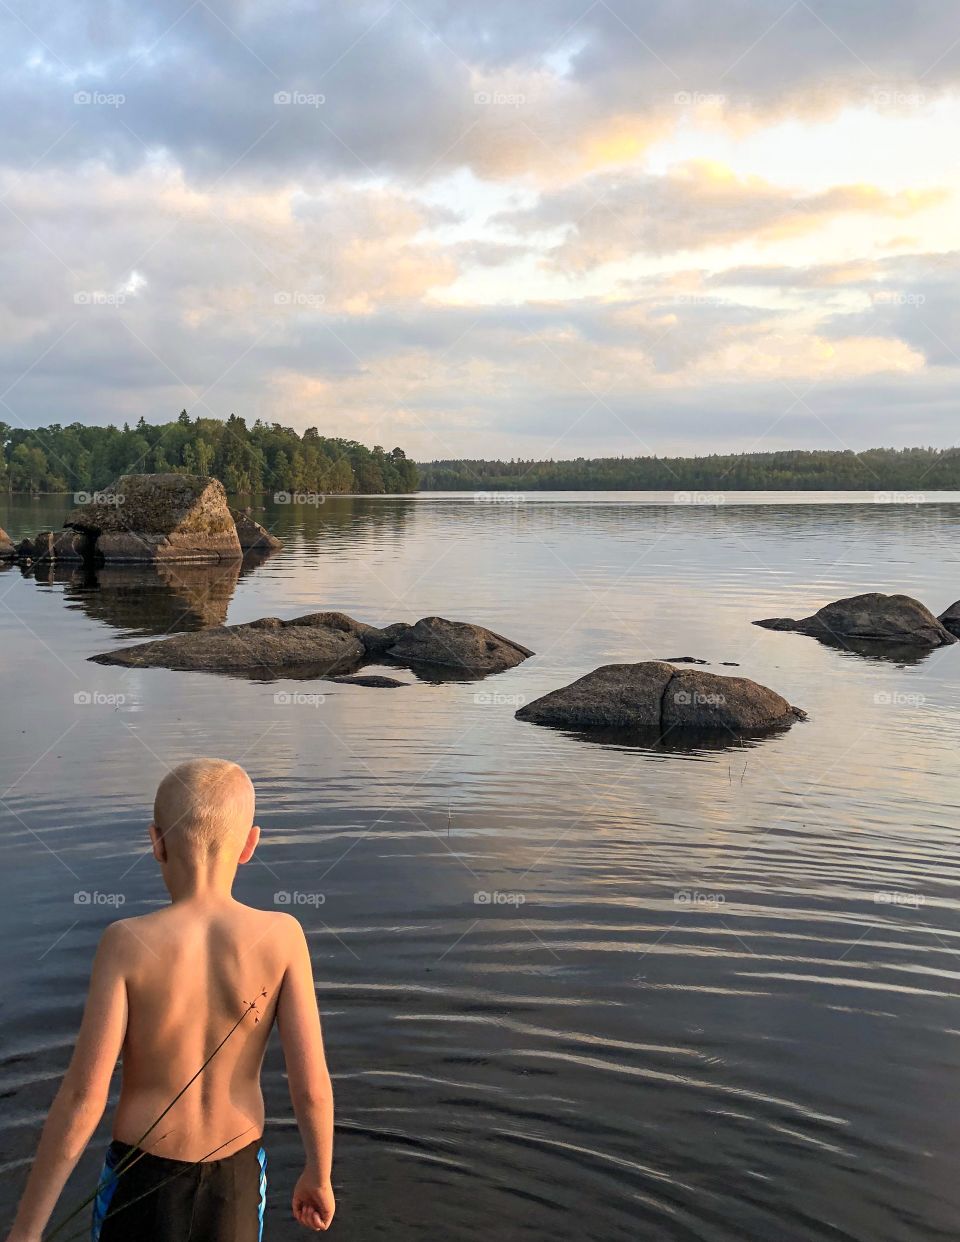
[714, 992]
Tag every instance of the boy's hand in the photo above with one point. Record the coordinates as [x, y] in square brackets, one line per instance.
[313, 1202]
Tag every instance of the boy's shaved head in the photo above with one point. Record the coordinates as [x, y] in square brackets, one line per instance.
[203, 806]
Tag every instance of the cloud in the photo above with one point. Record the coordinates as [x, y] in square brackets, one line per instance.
[609, 217]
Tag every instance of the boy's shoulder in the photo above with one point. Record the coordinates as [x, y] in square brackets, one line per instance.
[136, 933]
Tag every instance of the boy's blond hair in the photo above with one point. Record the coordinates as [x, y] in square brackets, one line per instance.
[203, 806]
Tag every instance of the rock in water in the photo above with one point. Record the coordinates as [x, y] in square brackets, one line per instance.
[950, 619]
[160, 517]
[252, 535]
[871, 617]
[457, 644]
[653, 697]
[375, 680]
[7, 548]
[61, 545]
[319, 644]
[268, 648]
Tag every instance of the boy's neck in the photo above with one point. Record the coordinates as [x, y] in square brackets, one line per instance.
[213, 883]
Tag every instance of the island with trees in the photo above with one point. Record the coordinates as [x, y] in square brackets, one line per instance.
[262, 458]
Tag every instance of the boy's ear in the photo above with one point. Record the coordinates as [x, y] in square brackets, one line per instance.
[253, 838]
[158, 843]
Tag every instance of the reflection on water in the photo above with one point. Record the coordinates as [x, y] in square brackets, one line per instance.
[634, 992]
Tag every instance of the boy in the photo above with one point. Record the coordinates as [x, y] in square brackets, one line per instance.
[194, 986]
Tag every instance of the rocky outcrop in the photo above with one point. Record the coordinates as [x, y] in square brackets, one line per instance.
[950, 619]
[7, 547]
[322, 643]
[457, 645]
[654, 698]
[872, 617]
[252, 535]
[159, 517]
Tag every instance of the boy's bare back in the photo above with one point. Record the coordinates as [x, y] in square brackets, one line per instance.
[186, 997]
[191, 971]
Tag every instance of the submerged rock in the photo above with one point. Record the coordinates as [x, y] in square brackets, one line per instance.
[252, 535]
[458, 645]
[7, 547]
[654, 698]
[321, 643]
[160, 517]
[950, 619]
[872, 617]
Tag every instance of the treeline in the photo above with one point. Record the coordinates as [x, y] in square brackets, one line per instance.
[880, 469]
[264, 457]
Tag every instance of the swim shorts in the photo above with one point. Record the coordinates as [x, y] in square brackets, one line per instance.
[152, 1199]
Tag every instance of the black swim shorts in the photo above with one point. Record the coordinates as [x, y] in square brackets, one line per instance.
[152, 1199]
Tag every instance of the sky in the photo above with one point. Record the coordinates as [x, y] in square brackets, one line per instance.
[486, 229]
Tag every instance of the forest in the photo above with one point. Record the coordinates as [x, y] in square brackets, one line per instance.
[876, 470]
[264, 457]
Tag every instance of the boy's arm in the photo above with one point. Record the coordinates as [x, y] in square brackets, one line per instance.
[309, 1080]
[82, 1097]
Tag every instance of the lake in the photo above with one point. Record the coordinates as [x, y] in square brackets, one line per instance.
[568, 986]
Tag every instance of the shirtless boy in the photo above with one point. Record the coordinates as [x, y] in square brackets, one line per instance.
[165, 991]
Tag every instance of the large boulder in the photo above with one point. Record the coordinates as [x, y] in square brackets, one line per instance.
[950, 619]
[654, 698]
[268, 648]
[872, 617]
[7, 547]
[458, 645]
[160, 517]
[252, 535]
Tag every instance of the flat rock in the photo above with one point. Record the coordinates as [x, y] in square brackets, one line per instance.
[653, 697]
[376, 680]
[7, 547]
[457, 645]
[267, 647]
[872, 617]
[950, 619]
[320, 644]
[160, 517]
[252, 535]
[685, 660]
